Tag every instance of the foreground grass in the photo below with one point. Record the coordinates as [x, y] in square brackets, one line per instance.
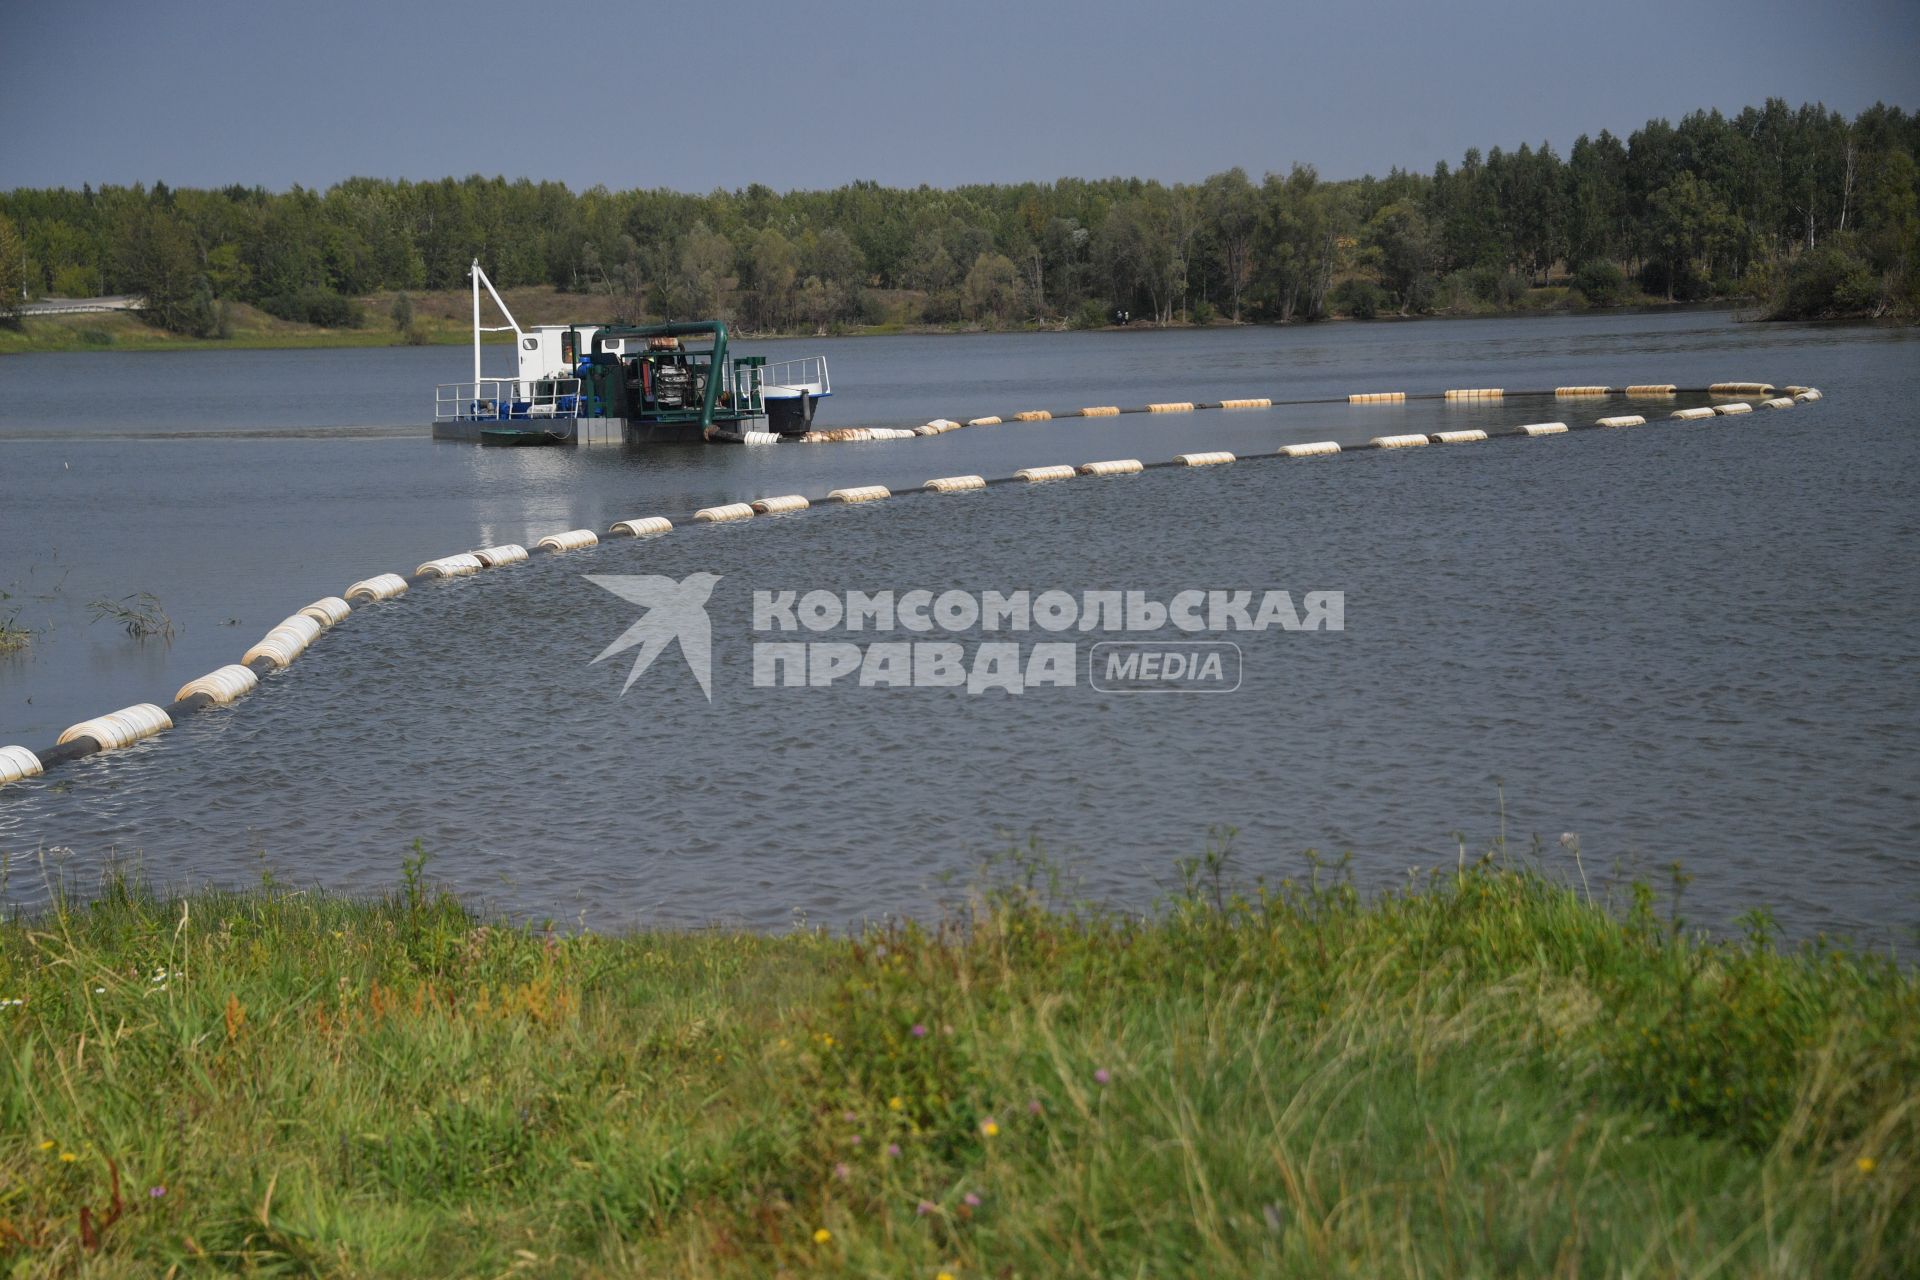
[1488, 1076]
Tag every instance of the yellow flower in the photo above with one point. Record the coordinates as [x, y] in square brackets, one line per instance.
[944, 1275]
[990, 1129]
[822, 1236]
[47, 1145]
[896, 1103]
[68, 1157]
[1865, 1164]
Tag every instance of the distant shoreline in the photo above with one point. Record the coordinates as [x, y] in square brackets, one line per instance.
[255, 331]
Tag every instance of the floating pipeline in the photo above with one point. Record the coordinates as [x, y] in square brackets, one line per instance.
[1465, 396]
[286, 642]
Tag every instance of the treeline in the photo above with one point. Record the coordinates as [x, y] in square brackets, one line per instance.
[1817, 214]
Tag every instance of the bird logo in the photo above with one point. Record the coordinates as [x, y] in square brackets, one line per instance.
[674, 611]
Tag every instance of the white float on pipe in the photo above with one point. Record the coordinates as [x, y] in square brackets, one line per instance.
[1112, 467]
[722, 514]
[1571, 393]
[1257, 402]
[1101, 411]
[1311, 449]
[505, 553]
[1377, 397]
[983, 422]
[955, 484]
[1476, 393]
[1459, 437]
[1738, 406]
[1033, 415]
[1809, 395]
[121, 728]
[1694, 414]
[1172, 406]
[571, 540]
[940, 426]
[1740, 389]
[1044, 473]
[641, 526]
[1214, 459]
[759, 437]
[17, 763]
[384, 586]
[1625, 420]
[782, 502]
[860, 493]
[1778, 402]
[285, 642]
[222, 686]
[1398, 442]
[449, 566]
[1653, 389]
[328, 611]
[1543, 428]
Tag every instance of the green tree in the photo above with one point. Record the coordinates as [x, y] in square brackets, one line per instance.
[13, 269]
[992, 289]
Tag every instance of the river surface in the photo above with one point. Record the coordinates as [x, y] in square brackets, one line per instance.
[1689, 642]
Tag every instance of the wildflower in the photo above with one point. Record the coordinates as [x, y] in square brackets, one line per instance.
[946, 1029]
[1866, 1164]
[924, 1208]
[1033, 1107]
[972, 1201]
[67, 1157]
[99, 991]
[1102, 1076]
[822, 1236]
[155, 1193]
[47, 1145]
[893, 1150]
[990, 1127]
[854, 1140]
[919, 1030]
[944, 1275]
[848, 1116]
[896, 1103]
[842, 1171]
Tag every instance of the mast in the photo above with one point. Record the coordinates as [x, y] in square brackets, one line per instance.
[473, 273]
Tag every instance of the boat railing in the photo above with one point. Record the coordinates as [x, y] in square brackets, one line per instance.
[747, 381]
[506, 399]
[808, 373]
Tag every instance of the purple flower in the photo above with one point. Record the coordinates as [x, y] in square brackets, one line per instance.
[971, 1200]
[893, 1149]
[848, 1116]
[1102, 1076]
[919, 1030]
[924, 1208]
[854, 1140]
[156, 1192]
[842, 1172]
[1033, 1107]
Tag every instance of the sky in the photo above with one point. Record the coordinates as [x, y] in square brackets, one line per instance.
[693, 97]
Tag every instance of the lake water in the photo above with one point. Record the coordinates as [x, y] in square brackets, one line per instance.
[1688, 641]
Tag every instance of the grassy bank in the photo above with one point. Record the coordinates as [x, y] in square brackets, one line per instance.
[444, 318]
[1488, 1076]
